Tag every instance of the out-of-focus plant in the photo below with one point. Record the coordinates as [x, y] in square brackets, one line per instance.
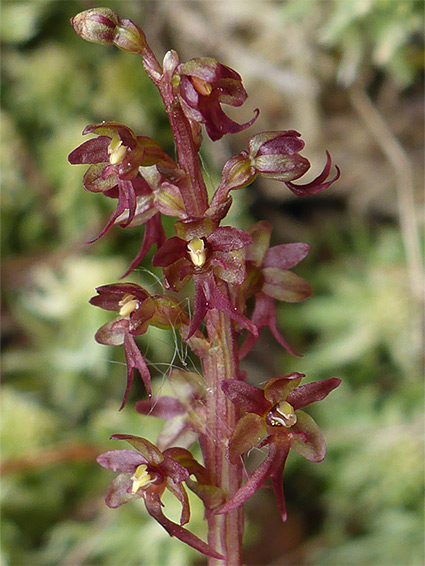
[364, 324]
[368, 32]
[369, 309]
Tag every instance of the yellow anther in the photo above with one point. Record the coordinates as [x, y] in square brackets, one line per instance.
[116, 150]
[201, 86]
[128, 304]
[197, 251]
[282, 414]
[140, 478]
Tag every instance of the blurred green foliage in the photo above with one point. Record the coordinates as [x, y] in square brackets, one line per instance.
[61, 390]
[377, 34]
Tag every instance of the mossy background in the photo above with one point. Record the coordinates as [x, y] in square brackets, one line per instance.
[306, 64]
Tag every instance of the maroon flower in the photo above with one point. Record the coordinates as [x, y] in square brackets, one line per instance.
[115, 157]
[146, 473]
[207, 254]
[274, 419]
[137, 310]
[205, 84]
[269, 278]
[274, 155]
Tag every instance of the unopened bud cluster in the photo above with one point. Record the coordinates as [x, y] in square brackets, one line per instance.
[105, 27]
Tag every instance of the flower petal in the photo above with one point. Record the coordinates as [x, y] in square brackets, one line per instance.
[265, 315]
[278, 388]
[110, 129]
[281, 168]
[91, 151]
[161, 407]
[178, 490]
[112, 333]
[135, 360]
[246, 396]
[285, 285]
[148, 450]
[121, 460]
[172, 250]
[169, 201]
[218, 124]
[318, 184]
[109, 296]
[307, 439]
[260, 234]
[154, 234]
[227, 238]
[285, 256]
[170, 468]
[230, 266]
[217, 300]
[118, 491]
[95, 182]
[277, 481]
[200, 307]
[250, 431]
[312, 392]
[284, 142]
[268, 469]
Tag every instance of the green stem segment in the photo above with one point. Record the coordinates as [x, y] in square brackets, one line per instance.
[225, 531]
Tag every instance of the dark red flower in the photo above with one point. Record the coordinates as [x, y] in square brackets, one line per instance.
[274, 155]
[136, 171]
[146, 473]
[274, 418]
[115, 157]
[207, 254]
[205, 84]
[269, 278]
[137, 310]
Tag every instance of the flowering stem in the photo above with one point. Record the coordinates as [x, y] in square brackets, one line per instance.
[225, 531]
[195, 196]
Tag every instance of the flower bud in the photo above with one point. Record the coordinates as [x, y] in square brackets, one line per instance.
[129, 37]
[104, 26]
[96, 25]
[169, 64]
